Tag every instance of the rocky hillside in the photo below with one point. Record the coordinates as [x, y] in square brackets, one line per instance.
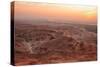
[54, 44]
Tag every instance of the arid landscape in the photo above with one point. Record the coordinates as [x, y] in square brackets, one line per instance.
[43, 44]
[53, 33]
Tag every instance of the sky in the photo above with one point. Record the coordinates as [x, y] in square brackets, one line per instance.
[61, 13]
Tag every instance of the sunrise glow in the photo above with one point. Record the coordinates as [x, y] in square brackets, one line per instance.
[61, 12]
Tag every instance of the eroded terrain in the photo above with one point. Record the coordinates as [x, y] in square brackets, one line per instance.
[42, 44]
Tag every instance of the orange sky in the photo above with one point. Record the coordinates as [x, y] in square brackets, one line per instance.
[54, 12]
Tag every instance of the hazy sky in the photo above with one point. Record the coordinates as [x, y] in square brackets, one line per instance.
[54, 12]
